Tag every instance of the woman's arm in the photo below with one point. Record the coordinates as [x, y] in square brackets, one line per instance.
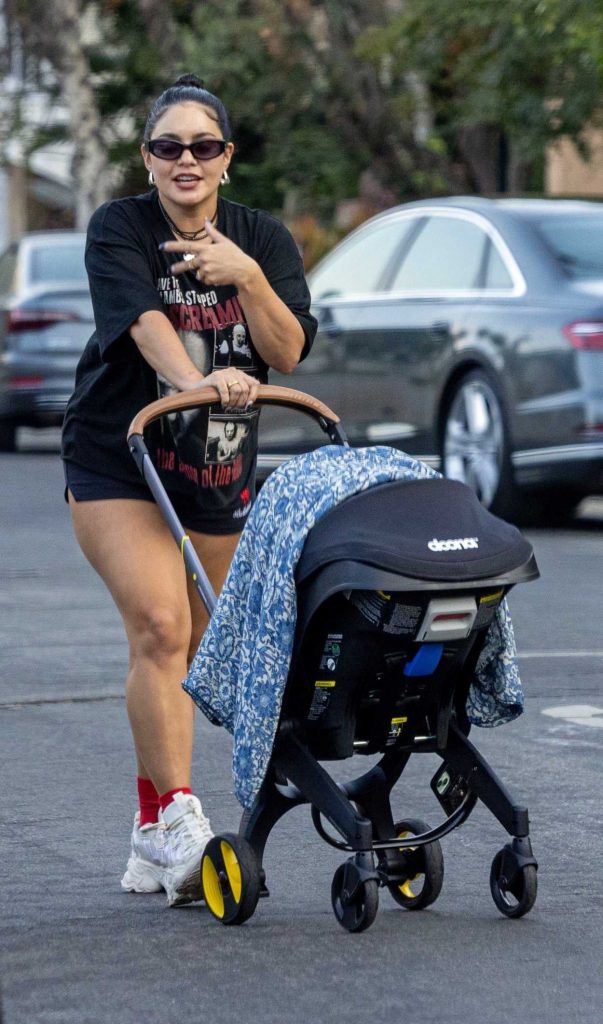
[162, 349]
[277, 333]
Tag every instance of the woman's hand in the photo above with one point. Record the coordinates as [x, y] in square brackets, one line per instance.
[277, 333]
[237, 389]
[216, 260]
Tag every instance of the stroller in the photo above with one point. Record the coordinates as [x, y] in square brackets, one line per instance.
[391, 623]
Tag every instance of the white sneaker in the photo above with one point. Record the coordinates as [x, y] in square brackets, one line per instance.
[168, 855]
[141, 872]
[187, 833]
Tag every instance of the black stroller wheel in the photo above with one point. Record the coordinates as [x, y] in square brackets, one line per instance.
[231, 878]
[426, 863]
[513, 887]
[355, 902]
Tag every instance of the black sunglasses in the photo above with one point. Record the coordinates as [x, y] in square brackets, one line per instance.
[169, 149]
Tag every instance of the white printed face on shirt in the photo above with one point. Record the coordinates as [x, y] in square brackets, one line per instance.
[239, 341]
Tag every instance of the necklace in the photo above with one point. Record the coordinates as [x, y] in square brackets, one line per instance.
[188, 236]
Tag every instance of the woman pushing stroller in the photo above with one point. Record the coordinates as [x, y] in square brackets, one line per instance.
[175, 274]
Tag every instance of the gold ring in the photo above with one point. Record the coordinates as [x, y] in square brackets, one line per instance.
[229, 383]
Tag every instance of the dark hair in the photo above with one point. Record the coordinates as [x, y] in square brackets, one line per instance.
[185, 89]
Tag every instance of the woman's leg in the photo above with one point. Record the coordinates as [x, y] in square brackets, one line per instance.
[130, 546]
[215, 554]
[132, 549]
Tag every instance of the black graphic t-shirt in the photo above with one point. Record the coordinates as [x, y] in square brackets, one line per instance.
[208, 453]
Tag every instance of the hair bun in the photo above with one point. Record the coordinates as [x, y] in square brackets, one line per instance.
[189, 80]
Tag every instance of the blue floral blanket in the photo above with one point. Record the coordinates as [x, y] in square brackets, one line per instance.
[239, 673]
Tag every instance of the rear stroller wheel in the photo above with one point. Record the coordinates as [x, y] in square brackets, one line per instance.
[513, 885]
[230, 875]
[355, 901]
[425, 869]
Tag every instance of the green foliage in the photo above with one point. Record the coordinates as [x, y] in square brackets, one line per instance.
[322, 91]
[257, 62]
[532, 67]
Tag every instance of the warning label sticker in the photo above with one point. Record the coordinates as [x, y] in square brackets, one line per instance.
[387, 614]
[395, 728]
[404, 618]
[323, 690]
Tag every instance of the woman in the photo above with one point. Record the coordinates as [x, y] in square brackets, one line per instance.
[171, 274]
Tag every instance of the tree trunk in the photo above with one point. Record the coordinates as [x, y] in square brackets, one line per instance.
[480, 148]
[519, 170]
[59, 34]
[92, 184]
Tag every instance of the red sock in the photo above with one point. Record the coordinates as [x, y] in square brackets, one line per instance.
[148, 798]
[166, 798]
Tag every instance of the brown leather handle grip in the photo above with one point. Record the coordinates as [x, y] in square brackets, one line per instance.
[267, 395]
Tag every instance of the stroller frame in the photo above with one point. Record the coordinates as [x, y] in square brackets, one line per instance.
[385, 853]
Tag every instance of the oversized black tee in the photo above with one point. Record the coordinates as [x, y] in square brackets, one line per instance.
[206, 453]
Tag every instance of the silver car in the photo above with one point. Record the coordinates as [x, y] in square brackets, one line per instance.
[45, 321]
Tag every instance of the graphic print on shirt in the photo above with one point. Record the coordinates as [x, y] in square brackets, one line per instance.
[226, 435]
[232, 349]
[209, 444]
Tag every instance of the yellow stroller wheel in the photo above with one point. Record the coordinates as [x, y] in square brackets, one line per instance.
[425, 875]
[230, 875]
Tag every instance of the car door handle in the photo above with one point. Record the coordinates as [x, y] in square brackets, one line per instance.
[327, 323]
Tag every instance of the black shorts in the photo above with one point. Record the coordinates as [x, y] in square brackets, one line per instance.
[86, 485]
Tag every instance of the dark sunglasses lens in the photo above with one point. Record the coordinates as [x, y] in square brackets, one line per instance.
[169, 149]
[166, 149]
[207, 149]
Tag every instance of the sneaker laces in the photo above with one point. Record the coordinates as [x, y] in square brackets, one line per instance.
[191, 828]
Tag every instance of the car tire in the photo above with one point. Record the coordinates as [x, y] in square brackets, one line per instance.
[475, 445]
[8, 436]
[551, 506]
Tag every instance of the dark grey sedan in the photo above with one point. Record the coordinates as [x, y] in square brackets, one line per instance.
[467, 332]
[45, 321]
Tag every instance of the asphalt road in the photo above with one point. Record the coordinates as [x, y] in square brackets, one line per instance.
[76, 950]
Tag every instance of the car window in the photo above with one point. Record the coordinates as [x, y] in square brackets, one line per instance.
[577, 242]
[497, 273]
[446, 254]
[356, 267]
[57, 263]
[8, 262]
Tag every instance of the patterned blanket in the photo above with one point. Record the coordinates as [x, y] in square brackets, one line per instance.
[239, 673]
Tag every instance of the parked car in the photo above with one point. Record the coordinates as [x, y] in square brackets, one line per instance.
[45, 321]
[469, 333]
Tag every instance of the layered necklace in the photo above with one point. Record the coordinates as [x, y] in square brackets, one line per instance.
[187, 236]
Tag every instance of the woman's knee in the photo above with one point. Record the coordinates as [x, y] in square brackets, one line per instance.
[160, 632]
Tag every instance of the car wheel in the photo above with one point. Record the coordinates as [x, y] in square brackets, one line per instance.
[549, 507]
[8, 436]
[475, 442]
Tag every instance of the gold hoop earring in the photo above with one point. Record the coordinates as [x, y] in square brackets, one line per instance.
[225, 180]
[151, 179]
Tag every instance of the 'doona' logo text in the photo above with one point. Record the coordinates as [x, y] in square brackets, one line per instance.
[457, 544]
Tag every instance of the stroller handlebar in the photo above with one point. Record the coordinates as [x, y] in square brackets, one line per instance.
[267, 395]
